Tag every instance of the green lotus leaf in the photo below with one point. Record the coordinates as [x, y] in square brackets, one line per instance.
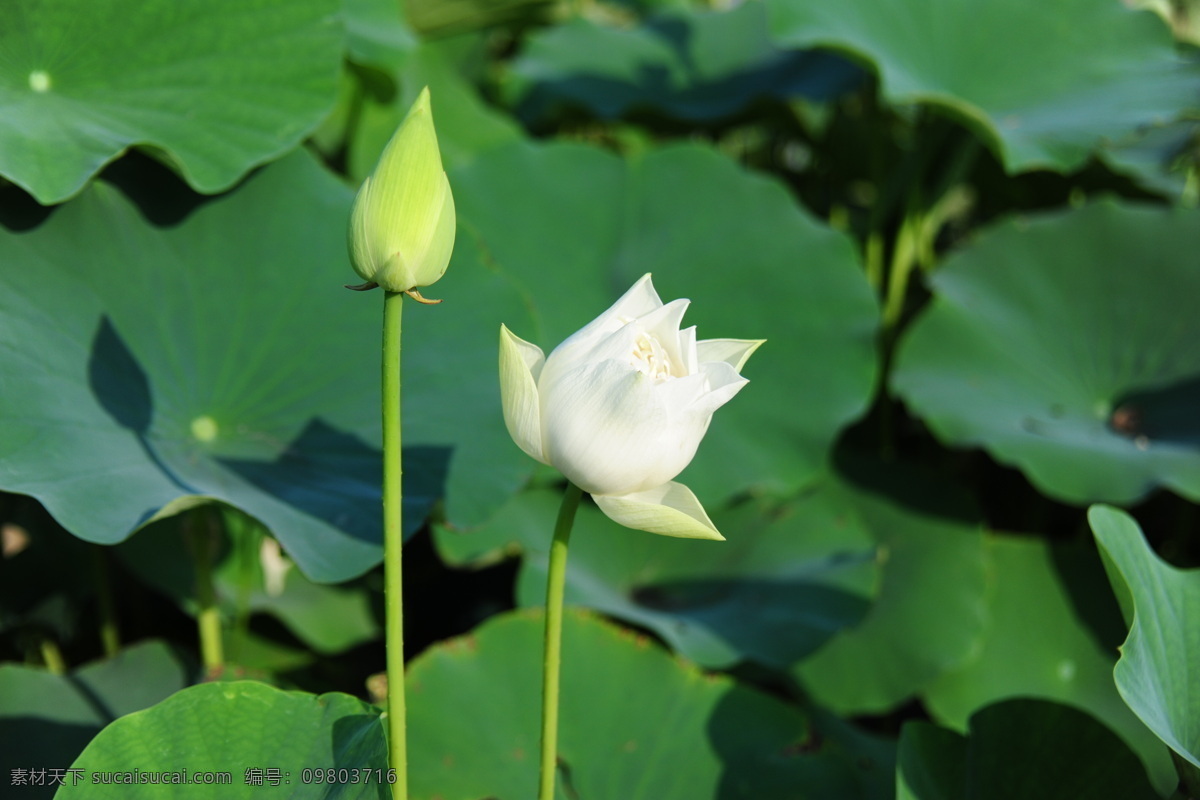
[1064, 345]
[635, 724]
[151, 369]
[1163, 158]
[1158, 670]
[752, 262]
[213, 89]
[240, 730]
[1024, 748]
[931, 611]
[790, 575]
[377, 33]
[46, 720]
[1050, 636]
[686, 64]
[1042, 83]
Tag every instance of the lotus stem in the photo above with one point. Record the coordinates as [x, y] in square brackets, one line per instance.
[208, 615]
[552, 651]
[393, 541]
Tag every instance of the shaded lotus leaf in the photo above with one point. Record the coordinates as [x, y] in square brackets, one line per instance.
[752, 262]
[1064, 345]
[46, 720]
[635, 724]
[931, 611]
[682, 63]
[1047, 638]
[790, 575]
[1042, 83]
[153, 369]
[239, 730]
[1024, 748]
[213, 89]
[1158, 670]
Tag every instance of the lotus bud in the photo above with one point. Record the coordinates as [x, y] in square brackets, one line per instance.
[403, 224]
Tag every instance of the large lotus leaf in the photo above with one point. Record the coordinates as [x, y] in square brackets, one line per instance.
[789, 576]
[243, 732]
[1041, 642]
[1032, 749]
[1159, 669]
[46, 720]
[635, 724]
[687, 64]
[1042, 83]
[150, 368]
[212, 88]
[753, 263]
[1065, 346]
[930, 614]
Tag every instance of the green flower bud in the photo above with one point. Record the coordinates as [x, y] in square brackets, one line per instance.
[403, 225]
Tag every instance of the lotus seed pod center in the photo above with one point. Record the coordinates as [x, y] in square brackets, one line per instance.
[204, 428]
[39, 81]
[649, 357]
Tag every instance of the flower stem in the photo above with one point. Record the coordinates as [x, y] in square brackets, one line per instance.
[552, 651]
[208, 616]
[52, 657]
[393, 541]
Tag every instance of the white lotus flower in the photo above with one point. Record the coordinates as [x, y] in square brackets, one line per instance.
[621, 406]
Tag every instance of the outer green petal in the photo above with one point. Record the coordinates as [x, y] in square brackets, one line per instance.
[520, 364]
[442, 244]
[669, 510]
[735, 352]
[360, 253]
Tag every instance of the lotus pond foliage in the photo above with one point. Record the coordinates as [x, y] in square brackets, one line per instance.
[957, 495]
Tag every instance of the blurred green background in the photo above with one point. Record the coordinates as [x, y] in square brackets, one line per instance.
[967, 230]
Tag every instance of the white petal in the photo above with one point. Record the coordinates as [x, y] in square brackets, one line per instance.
[682, 394]
[734, 352]
[723, 384]
[663, 325]
[670, 510]
[520, 364]
[606, 428]
[641, 299]
[691, 356]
